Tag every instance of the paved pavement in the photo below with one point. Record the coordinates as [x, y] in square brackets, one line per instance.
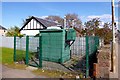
[118, 52]
[16, 73]
[116, 72]
[119, 59]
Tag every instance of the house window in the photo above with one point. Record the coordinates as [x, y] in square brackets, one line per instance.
[4, 30]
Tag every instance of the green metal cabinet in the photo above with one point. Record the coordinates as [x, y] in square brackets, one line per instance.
[54, 47]
[71, 35]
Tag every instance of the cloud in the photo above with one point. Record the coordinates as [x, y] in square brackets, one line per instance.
[101, 25]
[117, 5]
[43, 17]
[81, 17]
[104, 17]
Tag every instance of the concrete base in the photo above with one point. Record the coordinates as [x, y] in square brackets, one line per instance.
[31, 68]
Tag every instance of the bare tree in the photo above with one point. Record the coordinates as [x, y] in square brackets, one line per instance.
[70, 18]
[73, 18]
[57, 19]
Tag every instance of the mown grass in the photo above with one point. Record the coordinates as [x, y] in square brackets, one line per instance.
[7, 55]
[7, 58]
[0, 55]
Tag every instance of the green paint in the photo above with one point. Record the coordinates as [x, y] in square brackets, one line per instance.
[27, 50]
[71, 34]
[55, 44]
[14, 48]
[87, 56]
[40, 51]
[92, 44]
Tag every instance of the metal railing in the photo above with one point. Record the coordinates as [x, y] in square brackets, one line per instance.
[83, 47]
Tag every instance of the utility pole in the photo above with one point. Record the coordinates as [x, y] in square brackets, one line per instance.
[113, 38]
[113, 22]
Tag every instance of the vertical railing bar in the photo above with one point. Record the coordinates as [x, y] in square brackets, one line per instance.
[27, 50]
[14, 48]
[40, 51]
[87, 56]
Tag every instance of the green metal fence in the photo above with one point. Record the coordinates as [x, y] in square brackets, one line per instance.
[19, 49]
[84, 49]
[30, 47]
[33, 51]
[92, 45]
[25, 49]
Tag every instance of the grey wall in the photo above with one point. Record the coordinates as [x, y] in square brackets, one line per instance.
[77, 48]
[20, 43]
[7, 42]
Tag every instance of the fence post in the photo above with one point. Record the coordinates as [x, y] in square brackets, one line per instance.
[14, 48]
[87, 56]
[95, 43]
[27, 50]
[98, 42]
[40, 51]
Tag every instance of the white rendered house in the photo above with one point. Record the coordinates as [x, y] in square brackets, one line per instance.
[3, 31]
[34, 24]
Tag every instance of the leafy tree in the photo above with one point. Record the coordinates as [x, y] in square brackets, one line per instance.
[13, 31]
[107, 33]
[92, 26]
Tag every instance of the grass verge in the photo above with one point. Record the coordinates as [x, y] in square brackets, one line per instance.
[7, 58]
[54, 73]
